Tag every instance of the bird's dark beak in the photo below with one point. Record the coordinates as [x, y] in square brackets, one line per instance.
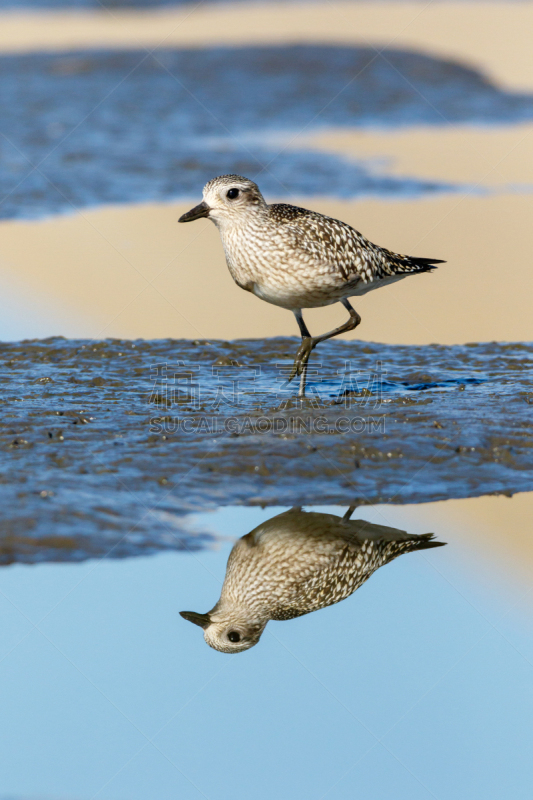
[199, 619]
[201, 210]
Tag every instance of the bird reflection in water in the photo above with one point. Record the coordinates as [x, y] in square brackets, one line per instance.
[295, 563]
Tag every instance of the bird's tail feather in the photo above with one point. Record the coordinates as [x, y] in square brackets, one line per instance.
[423, 264]
[424, 542]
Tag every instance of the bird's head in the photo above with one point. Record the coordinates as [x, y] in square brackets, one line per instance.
[226, 200]
[227, 633]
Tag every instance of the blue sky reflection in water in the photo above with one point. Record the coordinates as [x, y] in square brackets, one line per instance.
[411, 658]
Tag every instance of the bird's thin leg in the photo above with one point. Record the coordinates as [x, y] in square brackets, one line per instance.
[301, 324]
[349, 513]
[306, 337]
[310, 342]
[349, 325]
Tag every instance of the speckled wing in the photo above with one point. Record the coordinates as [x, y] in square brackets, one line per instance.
[334, 581]
[339, 556]
[349, 566]
[335, 245]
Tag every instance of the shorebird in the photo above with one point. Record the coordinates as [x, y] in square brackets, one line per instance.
[295, 258]
[295, 563]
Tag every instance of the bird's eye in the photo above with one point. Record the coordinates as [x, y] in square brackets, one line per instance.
[232, 194]
[234, 636]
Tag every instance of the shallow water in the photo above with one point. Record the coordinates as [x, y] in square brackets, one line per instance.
[78, 128]
[417, 686]
[112, 444]
[129, 469]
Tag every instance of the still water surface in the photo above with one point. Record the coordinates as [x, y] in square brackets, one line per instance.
[417, 686]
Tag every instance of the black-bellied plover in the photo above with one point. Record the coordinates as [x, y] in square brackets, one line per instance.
[295, 258]
[295, 563]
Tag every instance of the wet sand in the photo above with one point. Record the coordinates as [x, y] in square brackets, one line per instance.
[100, 464]
[136, 273]
[103, 435]
[494, 36]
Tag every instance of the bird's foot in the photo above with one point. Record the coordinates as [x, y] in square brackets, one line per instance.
[302, 357]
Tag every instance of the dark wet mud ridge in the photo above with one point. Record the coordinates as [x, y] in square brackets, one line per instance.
[112, 444]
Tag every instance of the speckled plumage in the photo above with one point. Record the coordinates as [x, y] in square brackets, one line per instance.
[295, 563]
[296, 258]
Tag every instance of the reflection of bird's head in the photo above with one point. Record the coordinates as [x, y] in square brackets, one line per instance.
[226, 632]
